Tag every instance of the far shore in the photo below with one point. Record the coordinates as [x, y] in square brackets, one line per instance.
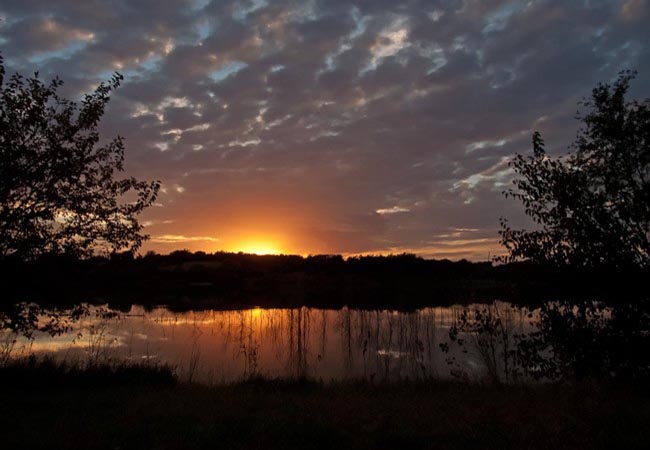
[183, 281]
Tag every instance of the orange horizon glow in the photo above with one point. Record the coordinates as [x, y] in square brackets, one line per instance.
[474, 251]
[257, 247]
[273, 233]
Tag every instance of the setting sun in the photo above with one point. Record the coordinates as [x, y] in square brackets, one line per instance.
[258, 248]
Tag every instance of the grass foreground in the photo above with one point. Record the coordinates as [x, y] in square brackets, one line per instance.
[119, 409]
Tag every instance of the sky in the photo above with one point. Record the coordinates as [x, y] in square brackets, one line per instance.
[330, 126]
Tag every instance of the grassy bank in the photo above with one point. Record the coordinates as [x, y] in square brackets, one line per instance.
[302, 415]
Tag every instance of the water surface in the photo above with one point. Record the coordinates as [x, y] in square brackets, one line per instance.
[222, 346]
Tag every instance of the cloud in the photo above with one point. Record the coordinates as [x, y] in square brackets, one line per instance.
[179, 239]
[368, 124]
[392, 210]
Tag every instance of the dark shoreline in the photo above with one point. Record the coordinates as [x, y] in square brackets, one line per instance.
[184, 280]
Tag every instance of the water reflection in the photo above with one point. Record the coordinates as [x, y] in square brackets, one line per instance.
[222, 346]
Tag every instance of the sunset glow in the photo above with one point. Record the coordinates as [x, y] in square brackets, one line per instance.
[257, 248]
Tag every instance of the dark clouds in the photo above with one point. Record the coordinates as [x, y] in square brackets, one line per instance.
[333, 126]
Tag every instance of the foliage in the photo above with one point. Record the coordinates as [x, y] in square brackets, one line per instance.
[569, 341]
[587, 340]
[488, 330]
[23, 319]
[27, 319]
[58, 191]
[592, 207]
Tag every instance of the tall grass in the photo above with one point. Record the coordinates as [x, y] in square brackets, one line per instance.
[48, 372]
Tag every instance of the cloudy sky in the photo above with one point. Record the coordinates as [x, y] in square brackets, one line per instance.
[331, 126]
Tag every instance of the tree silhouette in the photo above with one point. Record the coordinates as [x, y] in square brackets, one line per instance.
[58, 186]
[592, 207]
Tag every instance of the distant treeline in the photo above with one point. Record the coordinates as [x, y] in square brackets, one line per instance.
[185, 280]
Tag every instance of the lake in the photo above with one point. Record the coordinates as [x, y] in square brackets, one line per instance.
[216, 346]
